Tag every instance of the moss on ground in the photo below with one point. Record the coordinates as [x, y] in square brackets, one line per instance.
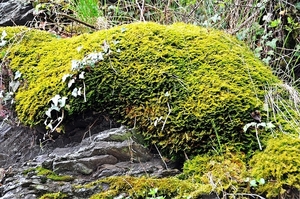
[139, 187]
[226, 173]
[186, 88]
[279, 165]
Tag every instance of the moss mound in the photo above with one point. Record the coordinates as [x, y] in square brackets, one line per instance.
[279, 165]
[222, 173]
[185, 87]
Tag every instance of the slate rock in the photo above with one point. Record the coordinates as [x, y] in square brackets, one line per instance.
[14, 12]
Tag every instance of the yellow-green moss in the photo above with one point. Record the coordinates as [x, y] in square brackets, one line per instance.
[172, 82]
[58, 195]
[225, 173]
[279, 165]
[52, 176]
[139, 187]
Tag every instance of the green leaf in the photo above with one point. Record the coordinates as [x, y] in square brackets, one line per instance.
[272, 43]
[64, 78]
[275, 23]
[48, 112]
[62, 101]
[53, 107]
[269, 125]
[245, 128]
[267, 60]
[4, 34]
[81, 75]
[75, 92]
[123, 30]
[76, 65]
[297, 5]
[17, 75]
[261, 181]
[71, 82]
[55, 99]
[14, 85]
[253, 183]
[263, 124]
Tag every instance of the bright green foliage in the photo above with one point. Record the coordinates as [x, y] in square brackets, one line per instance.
[86, 10]
[279, 165]
[225, 173]
[172, 82]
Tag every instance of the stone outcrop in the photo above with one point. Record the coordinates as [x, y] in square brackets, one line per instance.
[14, 12]
[113, 152]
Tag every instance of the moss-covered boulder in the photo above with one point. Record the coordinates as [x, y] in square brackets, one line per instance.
[186, 88]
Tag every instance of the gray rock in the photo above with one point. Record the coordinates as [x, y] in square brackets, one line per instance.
[113, 152]
[15, 12]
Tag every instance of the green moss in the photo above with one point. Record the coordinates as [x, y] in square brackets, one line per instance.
[140, 187]
[279, 165]
[190, 77]
[52, 176]
[226, 173]
[58, 195]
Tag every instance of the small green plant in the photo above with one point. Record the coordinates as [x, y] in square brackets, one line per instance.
[257, 126]
[58, 104]
[153, 194]
[52, 122]
[255, 182]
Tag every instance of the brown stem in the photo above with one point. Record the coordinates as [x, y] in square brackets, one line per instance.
[77, 20]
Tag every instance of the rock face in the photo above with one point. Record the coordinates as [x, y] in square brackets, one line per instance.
[112, 152]
[17, 145]
[14, 12]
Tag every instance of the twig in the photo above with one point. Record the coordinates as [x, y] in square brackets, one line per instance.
[84, 96]
[77, 20]
[161, 157]
[166, 10]
[59, 122]
[245, 194]
[260, 148]
[244, 23]
[163, 126]
[89, 129]
[142, 9]
[130, 186]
